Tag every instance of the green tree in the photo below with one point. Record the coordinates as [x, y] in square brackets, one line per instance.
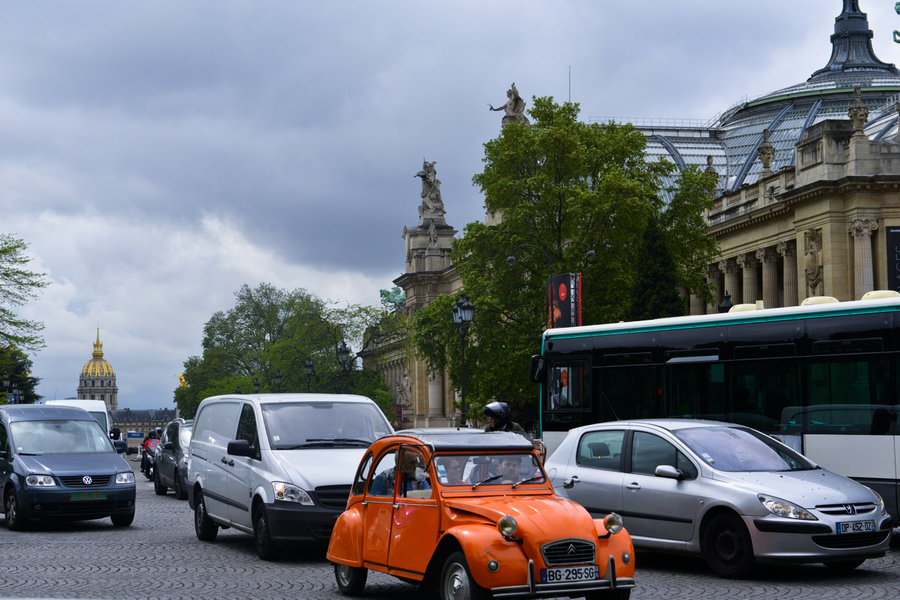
[268, 337]
[18, 285]
[655, 291]
[562, 187]
[15, 372]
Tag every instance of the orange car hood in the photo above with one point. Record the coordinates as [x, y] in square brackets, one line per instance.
[543, 516]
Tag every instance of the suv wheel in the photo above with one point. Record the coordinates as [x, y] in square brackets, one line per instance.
[158, 487]
[180, 491]
[14, 521]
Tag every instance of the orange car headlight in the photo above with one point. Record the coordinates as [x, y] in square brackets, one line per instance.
[613, 523]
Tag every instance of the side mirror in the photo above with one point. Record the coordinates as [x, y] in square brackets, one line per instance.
[241, 448]
[120, 445]
[115, 433]
[668, 471]
[169, 446]
[536, 369]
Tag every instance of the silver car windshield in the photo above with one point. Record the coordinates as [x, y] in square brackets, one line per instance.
[739, 449]
[59, 437]
[297, 425]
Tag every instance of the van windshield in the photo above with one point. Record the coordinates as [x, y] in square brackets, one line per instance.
[296, 425]
[58, 437]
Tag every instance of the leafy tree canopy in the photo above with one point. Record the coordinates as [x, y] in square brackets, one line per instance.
[18, 285]
[15, 372]
[272, 332]
[562, 187]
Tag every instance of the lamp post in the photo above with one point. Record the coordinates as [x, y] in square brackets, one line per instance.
[277, 381]
[463, 311]
[344, 358]
[309, 372]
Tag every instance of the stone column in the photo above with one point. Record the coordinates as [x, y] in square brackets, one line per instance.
[788, 251]
[729, 268]
[863, 276]
[435, 399]
[698, 307]
[769, 261]
[748, 265]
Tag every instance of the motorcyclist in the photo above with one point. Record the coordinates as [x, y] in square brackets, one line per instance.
[146, 446]
[498, 413]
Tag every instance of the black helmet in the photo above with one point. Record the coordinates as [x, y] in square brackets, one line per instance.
[152, 435]
[498, 410]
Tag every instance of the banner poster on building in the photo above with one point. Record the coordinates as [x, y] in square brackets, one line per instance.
[892, 234]
[564, 296]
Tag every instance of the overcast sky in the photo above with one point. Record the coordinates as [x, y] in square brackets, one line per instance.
[158, 155]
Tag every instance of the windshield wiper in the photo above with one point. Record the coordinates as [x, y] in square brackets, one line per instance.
[340, 440]
[488, 480]
[529, 480]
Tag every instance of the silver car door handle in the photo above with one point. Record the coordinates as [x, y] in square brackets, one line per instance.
[230, 463]
[634, 485]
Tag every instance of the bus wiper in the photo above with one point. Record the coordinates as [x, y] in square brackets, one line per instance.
[488, 480]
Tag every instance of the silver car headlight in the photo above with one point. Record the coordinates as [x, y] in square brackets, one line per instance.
[40, 481]
[879, 502]
[288, 492]
[783, 508]
[126, 477]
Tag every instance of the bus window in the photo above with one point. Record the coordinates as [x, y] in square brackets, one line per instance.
[628, 393]
[845, 394]
[696, 390]
[760, 391]
[568, 387]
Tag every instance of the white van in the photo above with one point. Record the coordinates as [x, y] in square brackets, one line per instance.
[277, 466]
[97, 408]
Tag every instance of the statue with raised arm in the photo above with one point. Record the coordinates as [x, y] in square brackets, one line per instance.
[432, 206]
[514, 107]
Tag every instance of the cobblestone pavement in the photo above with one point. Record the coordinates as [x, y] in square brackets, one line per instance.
[160, 557]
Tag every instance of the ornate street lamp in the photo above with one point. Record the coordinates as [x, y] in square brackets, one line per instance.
[344, 358]
[309, 372]
[463, 312]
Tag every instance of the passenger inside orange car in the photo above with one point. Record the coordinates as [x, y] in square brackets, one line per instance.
[412, 472]
[450, 469]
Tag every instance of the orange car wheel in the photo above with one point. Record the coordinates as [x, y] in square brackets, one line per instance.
[609, 595]
[456, 580]
[350, 580]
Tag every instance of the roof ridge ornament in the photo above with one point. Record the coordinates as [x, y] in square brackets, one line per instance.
[851, 45]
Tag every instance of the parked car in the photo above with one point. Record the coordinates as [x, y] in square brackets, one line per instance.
[725, 491]
[277, 466]
[57, 462]
[474, 514]
[171, 458]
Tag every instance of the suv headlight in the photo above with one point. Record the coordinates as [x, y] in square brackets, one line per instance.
[126, 477]
[40, 481]
[288, 492]
[783, 508]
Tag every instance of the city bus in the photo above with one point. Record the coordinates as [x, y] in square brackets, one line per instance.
[822, 377]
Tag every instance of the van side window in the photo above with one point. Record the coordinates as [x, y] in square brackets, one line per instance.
[247, 426]
[216, 423]
[3, 439]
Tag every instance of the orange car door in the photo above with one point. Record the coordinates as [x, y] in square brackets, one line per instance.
[414, 528]
[378, 511]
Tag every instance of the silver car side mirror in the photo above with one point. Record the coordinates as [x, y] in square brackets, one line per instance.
[570, 482]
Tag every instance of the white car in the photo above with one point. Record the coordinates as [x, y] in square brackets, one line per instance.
[728, 492]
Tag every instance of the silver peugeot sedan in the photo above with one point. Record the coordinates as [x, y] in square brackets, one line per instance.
[724, 491]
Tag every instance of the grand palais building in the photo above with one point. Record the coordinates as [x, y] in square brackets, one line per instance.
[807, 204]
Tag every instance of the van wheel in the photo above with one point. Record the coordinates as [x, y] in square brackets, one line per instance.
[14, 520]
[180, 492]
[122, 520]
[205, 527]
[727, 547]
[265, 547]
[350, 580]
[456, 580]
[158, 487]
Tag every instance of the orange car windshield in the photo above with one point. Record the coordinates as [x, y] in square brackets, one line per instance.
[488, 469]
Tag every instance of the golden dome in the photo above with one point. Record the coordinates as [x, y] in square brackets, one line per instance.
[97, 366]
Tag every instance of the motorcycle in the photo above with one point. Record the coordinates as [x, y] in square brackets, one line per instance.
[148, 458]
